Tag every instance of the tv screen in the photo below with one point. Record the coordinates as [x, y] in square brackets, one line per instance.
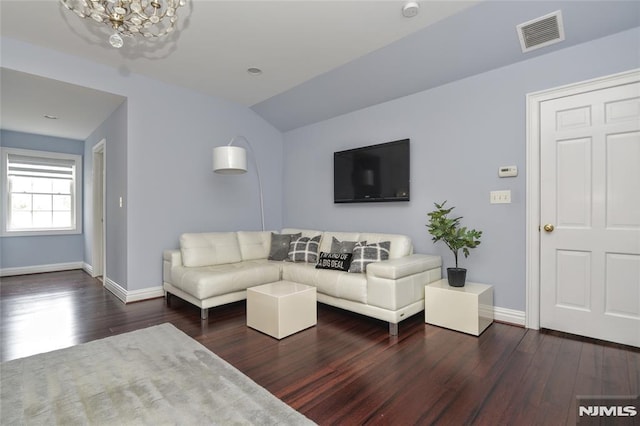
[375, 173]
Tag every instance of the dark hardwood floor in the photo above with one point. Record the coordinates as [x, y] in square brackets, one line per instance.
[347, 369]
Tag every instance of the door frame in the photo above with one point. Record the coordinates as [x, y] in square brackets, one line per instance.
[534, 101]
[99, 258]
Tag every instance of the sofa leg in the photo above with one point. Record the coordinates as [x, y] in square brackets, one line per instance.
[393, 329]
[167, 298]
[204, 313]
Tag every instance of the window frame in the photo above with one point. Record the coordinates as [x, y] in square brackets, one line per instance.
[76, 193]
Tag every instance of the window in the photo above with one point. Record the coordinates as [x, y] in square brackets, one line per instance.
[42, 192]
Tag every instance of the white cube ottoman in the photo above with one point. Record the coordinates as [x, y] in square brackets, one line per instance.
[468, 309]
[281, 308]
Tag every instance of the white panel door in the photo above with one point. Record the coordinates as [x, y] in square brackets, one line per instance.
[590, 214]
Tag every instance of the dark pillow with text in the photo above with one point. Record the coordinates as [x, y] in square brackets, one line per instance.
[334, 261]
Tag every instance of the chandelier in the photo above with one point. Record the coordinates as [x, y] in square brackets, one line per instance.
[147, 18]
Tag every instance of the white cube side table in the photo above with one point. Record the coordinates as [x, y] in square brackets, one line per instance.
[468, 309]
[282, 308]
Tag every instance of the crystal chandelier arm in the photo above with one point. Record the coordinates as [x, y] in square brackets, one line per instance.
[255, 163]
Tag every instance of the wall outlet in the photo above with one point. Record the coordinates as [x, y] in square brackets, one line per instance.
[500, 197]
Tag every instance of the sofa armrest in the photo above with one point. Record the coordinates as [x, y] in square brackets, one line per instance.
[404, 266]
[174, 257]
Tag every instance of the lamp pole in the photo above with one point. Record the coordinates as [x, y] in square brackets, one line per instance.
[255, 163]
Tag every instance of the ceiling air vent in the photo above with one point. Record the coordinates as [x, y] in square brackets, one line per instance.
[541, 32]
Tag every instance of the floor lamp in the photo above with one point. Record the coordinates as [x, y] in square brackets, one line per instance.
[232, 160]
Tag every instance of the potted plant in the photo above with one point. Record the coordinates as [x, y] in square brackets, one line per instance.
[448, 229]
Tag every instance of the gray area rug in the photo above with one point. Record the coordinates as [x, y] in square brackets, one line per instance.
[153, 376]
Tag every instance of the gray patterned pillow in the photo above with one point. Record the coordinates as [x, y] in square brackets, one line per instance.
[304, 249]
[280, 245]
[364, 254]
[338, 246]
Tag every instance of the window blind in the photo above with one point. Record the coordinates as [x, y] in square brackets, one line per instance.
[57, 168]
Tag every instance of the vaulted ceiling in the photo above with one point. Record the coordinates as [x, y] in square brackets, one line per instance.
[319, 58]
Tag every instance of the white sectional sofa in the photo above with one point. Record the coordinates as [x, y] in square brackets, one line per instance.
[212, 269]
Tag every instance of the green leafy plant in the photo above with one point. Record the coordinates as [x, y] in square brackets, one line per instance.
[445, 228]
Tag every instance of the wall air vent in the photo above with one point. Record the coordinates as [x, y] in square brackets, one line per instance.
[541, 32]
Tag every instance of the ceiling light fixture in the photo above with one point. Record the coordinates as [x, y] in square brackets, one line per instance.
[410, 9]
[148, 18]
[50, 117]
[254, 71]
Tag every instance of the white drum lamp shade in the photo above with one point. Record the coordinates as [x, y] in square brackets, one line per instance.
[231, 160]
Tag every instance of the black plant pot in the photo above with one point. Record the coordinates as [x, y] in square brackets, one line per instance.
[456, 276]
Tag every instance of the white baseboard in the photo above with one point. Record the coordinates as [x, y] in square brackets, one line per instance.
[115, 288]
[144, 294]
[127, 296]
[38, 269]
[510, 316]
[87, 268]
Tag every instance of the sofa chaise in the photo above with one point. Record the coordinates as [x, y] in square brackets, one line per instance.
[212, 269]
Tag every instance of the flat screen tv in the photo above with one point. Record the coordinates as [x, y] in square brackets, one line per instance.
[376, 173]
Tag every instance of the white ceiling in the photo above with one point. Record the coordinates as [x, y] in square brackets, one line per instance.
[473, 41]
[25, 99]
[291, 41]
[331, 51]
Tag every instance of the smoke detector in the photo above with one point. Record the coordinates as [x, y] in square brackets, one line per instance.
[410, 9]
[541, 32]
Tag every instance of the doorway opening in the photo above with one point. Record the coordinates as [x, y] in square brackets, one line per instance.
[99, 225]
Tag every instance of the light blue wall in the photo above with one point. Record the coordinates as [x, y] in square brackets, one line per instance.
[114, 132]
[18, 252]
[461, 133]
[170, 134]
[11, 139]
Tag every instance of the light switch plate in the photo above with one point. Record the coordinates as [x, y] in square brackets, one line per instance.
[500, 197]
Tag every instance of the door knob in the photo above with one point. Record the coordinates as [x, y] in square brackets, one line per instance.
[549, 227]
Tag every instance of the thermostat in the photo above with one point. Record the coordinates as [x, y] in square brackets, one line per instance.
[508, 171]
